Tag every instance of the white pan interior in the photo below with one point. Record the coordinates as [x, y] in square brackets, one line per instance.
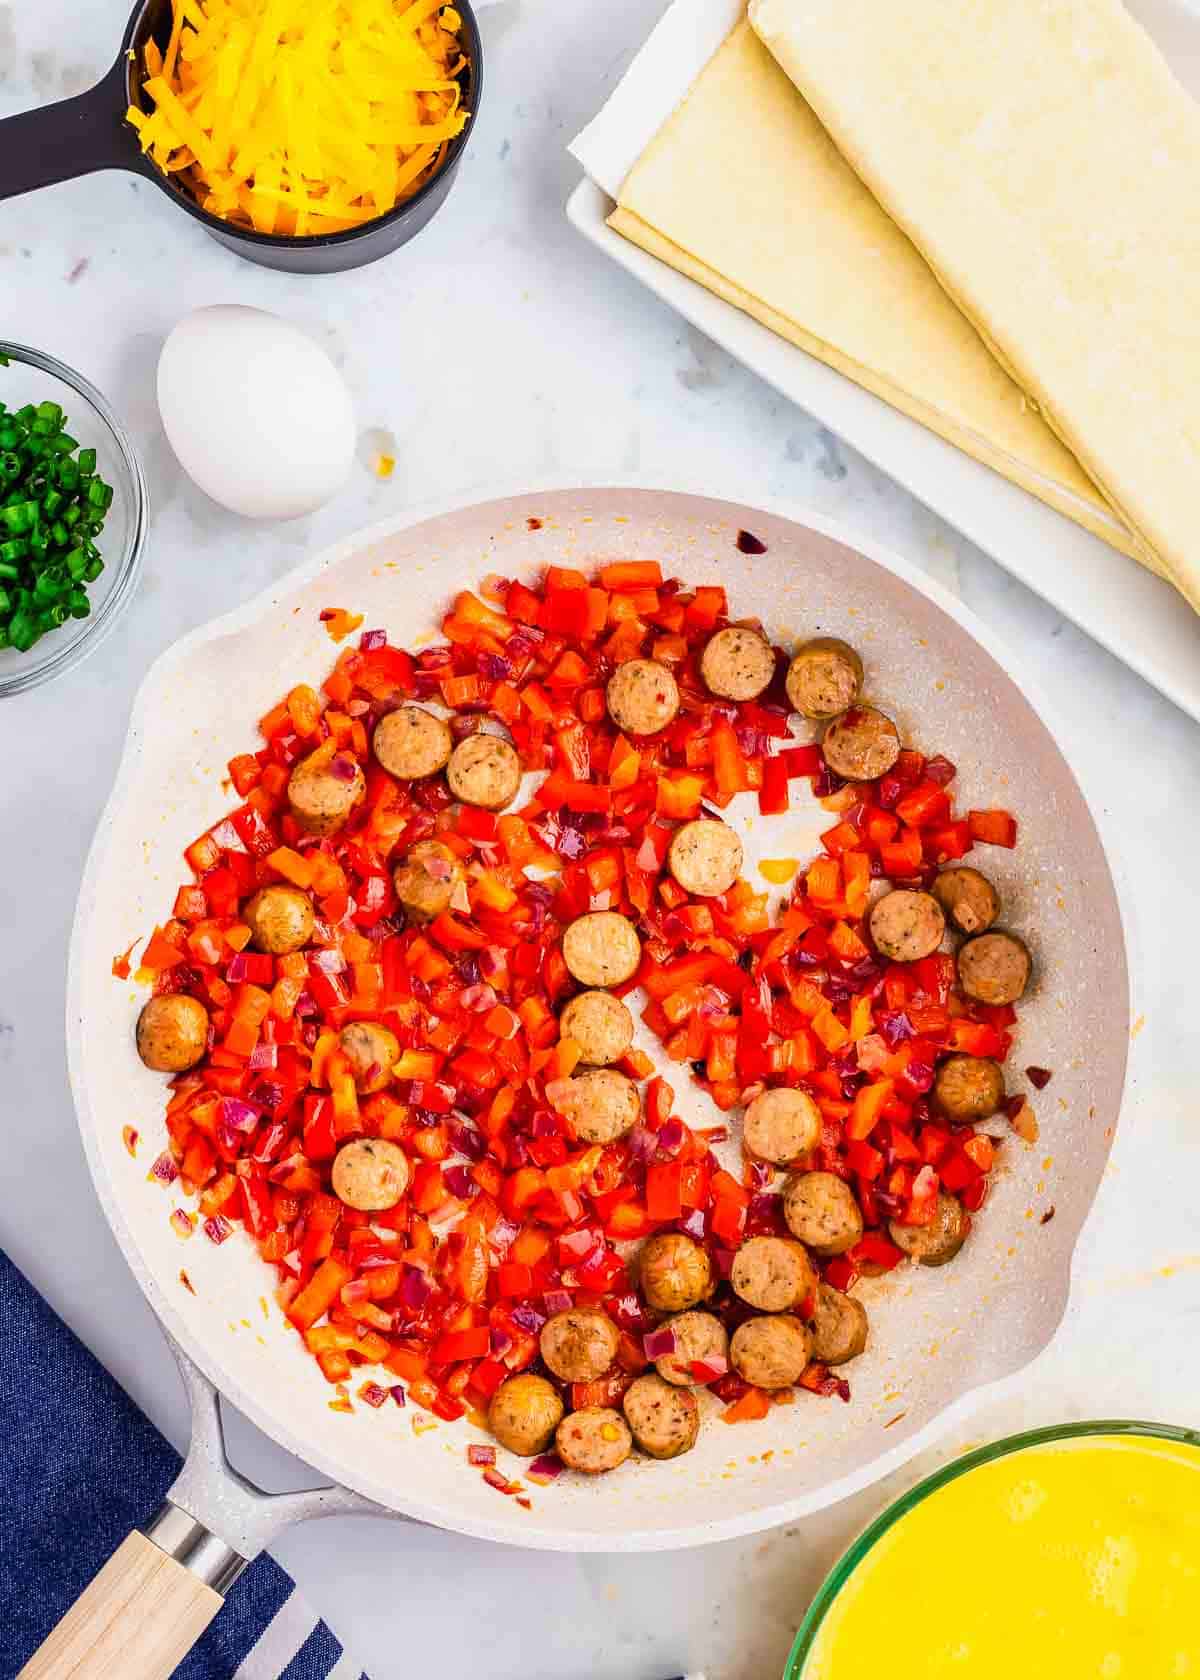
[937, 1336]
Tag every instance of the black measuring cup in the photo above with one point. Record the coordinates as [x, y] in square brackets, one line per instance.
[89, 132]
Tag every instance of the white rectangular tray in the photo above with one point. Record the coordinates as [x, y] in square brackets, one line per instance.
[1137, 617]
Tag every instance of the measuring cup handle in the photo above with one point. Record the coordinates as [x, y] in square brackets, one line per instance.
[71, 137]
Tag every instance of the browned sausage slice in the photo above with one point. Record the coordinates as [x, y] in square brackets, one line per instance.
[675, 1272]
[969, 899]
[280, 919]
[665, 1420]
[484, 770]
[861, 745]
[411, 743]
[642, 696]
[602, 948]
[772, 1274]
[322, 794]
[426, 879]
[907, 925]
[994, 968]
[524, 1413]
[822, 1212]
[824, 678]
[839, 1326]
[737, 663]
[968, 1088]
[372, 1052]
[370, 1174]
[780, 1125]
[580, 1344]
[705, 857]
[600, 1024]
[770, 1352]
[595, 1439]
[601, 1105]
[700, 1338]
[172, 1033]
[939, 1241]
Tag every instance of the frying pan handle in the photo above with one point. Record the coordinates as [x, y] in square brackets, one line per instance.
[137, 1619]
[69, 138]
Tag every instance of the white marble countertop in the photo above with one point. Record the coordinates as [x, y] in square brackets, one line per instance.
[499, 347]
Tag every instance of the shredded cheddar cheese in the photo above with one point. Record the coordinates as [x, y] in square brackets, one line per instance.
[302, 116]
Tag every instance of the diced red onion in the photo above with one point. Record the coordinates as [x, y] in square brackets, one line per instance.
[217, 1228]
[459, 1182]
[372, 639]
[415, 1288]
[723, 1259]
[657, 1344]
[183, 1222]
[342, 768]
[235, 971]
[1039, 1077]
[329, 961]
[895, 1027]
[493, 667]
[695, 1225]
[493, 960]
[477, 998]
[503, 1234]
[358, 1289]
[643, 1144]
[545, 1124]
[529, 1318]
[397, 1393]
[480, 1455]
[264, 1056]
[708, 1370]
[466, 1139]
[238, 1115]
[501, 1341]
[164, 1169]
[556, 1301]
[371, 1394]
[306, 1004]
[547, 1467]
[671, 1136]
[762, 1207]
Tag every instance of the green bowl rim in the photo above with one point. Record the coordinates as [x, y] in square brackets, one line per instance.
[858, 1549]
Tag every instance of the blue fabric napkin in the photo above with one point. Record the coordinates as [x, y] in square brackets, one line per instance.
[81, 1467]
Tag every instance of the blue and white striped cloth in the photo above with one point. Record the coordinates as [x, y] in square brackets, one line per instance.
[82, 1467]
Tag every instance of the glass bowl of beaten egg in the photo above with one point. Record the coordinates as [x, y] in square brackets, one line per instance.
[32, 376]
[1072, 1551]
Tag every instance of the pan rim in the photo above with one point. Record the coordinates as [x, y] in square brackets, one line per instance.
[524, 1533]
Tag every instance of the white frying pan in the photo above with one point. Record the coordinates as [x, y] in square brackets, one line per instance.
[939, 1338]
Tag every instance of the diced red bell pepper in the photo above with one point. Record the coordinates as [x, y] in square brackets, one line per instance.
[993, 828]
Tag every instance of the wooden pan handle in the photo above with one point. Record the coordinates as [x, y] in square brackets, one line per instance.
[137, 1620]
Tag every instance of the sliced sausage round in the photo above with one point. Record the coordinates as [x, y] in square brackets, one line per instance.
[969, 899]
[372, 1052]
[821, 1210]
[323, 795]
[594, 1439]
[737, 663]
[370, 1174]
[939, 1241]
[580, 1344]
[994, 968]
[780, 1125]
[524, 1413]
[772, 1274]
[602, 948]
[665, 1420]
[280, 919]
[675, 1272]
[600, 1105]
[700, 1338]
[643, 697]
[172, 1033]
[411, 743]
[907, 925]
[484, 770]
[861, 745]
[770, 1352]
[839, 1326]
[600, 1024]
[426, 879]
[705, 857]
[824, 677]
[968, 1088]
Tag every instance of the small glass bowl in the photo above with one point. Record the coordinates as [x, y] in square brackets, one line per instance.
[32, 376]
[846, 1565]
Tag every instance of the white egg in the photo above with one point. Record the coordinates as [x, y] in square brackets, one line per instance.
[256, 412]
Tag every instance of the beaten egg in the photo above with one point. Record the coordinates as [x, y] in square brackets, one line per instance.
[257, 413]
[1077, 1559]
